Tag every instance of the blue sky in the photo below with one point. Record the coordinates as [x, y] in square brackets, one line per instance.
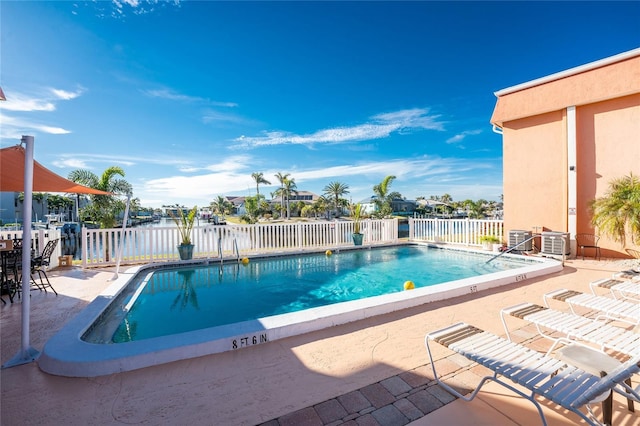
[192, 97]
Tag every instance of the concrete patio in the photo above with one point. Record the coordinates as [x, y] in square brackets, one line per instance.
[371, 372]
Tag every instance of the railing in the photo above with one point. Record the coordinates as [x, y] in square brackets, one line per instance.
[454, 231]
[39, 239]
[143, 245]
[100, 247]
[512, 248]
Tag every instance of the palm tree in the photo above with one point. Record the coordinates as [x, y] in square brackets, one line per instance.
[252, 208]
[259, 178]
[103, 209]
[39, 198]
[288, 188]
[336, 190]
[281, 178]
[321, 205]
[381, 191]
[617, 214]
[221, 206]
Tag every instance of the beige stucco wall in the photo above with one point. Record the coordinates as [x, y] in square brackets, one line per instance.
[608, 135]
[535, 146]
[534, 178]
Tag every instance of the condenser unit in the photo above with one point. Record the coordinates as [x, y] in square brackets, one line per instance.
[518, 236]
[555, 242]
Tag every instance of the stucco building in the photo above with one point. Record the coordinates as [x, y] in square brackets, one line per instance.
[565, 137]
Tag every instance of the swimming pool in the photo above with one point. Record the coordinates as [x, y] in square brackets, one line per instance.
[294, 302]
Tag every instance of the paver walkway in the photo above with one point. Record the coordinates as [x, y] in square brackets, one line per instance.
[395, 401]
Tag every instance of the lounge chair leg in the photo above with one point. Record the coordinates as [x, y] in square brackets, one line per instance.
[607, 406]
[629, 400]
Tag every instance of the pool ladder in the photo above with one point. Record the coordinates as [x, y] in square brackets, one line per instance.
[235, 249]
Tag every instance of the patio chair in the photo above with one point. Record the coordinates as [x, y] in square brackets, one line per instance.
[542, 375]
[9, 273]
[40, 263]
[605, 307]
[620, 289]
[588, 241]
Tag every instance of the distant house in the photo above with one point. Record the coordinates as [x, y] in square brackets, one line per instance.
[238, 204]
[565, 137]
[308, 198]
[368, 205]
[305, 196]
[400, 206]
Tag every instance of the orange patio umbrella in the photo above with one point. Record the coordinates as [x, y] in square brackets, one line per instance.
[12, 162]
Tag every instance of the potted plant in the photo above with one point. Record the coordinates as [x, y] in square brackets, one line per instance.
[185, 223]
[489, 242]
[357, 218]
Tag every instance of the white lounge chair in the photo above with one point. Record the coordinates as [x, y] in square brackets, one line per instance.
[620, 289]
[606, 307]
[540, 374]
[628, 274]
[574, 328]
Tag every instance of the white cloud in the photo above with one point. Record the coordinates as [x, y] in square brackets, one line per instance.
[20, 102]
[178, 97]
[379, 126]
[14, 127]
[141, 7]
[460, 136]
[211, 116]
[17, 101]
[124, 160]
[232, 177]
[71, 163]
[66, 95]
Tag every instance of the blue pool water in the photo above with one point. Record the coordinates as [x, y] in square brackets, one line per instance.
[169, 301]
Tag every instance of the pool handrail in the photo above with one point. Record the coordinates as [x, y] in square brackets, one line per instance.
[510, 249]
[235, 248]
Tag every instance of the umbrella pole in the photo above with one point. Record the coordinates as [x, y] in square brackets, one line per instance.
[124, 227]
[26, 354]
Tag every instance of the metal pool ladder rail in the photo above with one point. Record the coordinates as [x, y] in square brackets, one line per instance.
[236, 251]
[511, 248]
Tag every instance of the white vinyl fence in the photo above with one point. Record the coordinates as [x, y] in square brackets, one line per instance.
[39, 239]
[101, 247]
[454, 231]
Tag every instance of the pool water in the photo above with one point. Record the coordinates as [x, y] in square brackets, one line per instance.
[176, 300]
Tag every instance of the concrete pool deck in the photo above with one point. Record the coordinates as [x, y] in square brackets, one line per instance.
[373, 371]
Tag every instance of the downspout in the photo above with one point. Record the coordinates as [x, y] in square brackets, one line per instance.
[572, 177]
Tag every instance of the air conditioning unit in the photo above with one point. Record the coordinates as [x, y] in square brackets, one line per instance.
[518, 236]
[555, 242]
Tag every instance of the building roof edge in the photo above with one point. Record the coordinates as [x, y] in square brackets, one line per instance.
[571, 71]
